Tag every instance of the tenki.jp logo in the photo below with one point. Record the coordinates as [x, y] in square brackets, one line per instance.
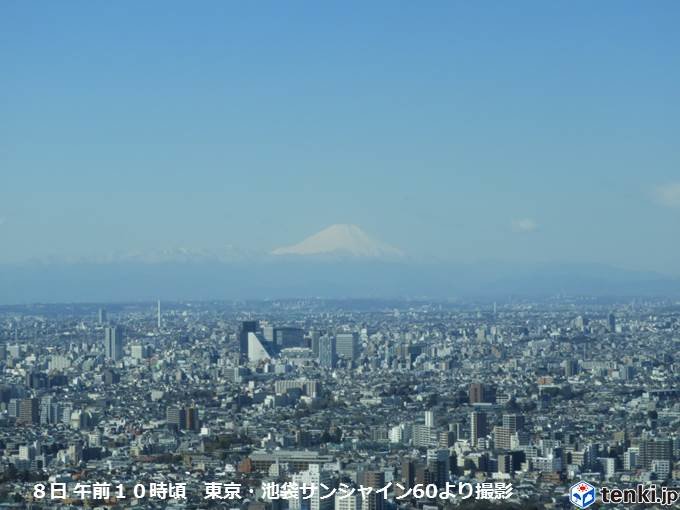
[582, 494]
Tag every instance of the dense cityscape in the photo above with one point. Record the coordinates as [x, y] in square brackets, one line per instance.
[201, 405]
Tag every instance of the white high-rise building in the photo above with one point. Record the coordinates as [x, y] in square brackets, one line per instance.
[429, 418]
[314, 476]
[630, 458]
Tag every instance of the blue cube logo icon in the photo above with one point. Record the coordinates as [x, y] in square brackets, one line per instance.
[582, 494]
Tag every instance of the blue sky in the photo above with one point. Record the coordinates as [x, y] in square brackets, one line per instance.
[521, 131]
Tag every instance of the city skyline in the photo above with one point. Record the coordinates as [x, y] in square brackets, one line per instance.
[529, 398]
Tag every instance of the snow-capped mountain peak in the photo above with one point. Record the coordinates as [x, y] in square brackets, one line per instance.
[341, 239]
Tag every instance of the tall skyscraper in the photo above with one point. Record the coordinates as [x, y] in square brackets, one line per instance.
[327, 352]
[113, 342]
[429, 418]
[102, 316]
[612, 322]
[408, 476]
[314, 341]
[183, 418]
[191, 417]
[513, 422]
[314, 476]
[438, 464]
[246, 327]
[158, 315]
[476, 393]
[29, 411]
[570, 367]
[481, 393]
[655, 449]
[477, 426]
[175, 417]
[375, 479]
[347, 345]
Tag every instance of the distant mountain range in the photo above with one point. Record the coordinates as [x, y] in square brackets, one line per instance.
[341, 261]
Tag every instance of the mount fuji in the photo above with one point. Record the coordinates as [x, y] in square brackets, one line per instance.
[341, 240]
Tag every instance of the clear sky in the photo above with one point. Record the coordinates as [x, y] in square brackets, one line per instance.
[527, 131]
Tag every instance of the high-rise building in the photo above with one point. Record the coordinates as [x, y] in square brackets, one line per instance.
[182, 418]
[502, 437]
[477, 426]
[612, 322]
[408, 476]
[327, 351]
[570, 367]
[438, 464]
[661, 468]
[513, 422]
[314, 341]
[347, 345]
[476, 393]
[314, 476]
[481, 393]
[110, 377]
[630, 458]
[580, 323]
[655, 449]
[627, 372]
[29, 411]
[191, 419]
[424, 475]
[424, 436]
[175, 417]
[45, 410]
[113, 342]
[375, 479]
[159, 322]
[268, 332]
[258, 348]
[446, 439]
[138, 351]
[429, 418]
[285, 337]
[102, 316]
[50, 410]
[246, 327]
[13, 408]
[36, 380]
[504, 463]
